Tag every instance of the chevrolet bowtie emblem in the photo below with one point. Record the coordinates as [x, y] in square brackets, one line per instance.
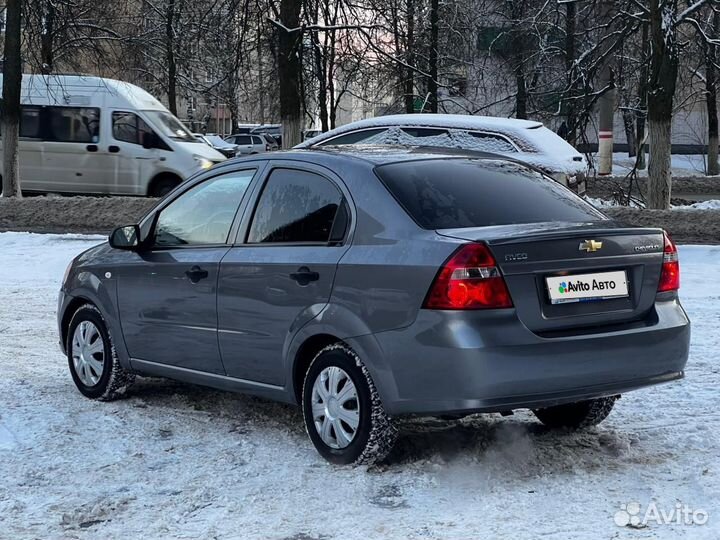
[590, 246]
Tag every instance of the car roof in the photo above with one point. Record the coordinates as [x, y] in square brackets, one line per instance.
[446, 121]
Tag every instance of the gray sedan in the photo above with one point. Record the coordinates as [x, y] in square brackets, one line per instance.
[372, 283]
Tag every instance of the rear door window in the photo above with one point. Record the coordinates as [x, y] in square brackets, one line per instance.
[74, 124]
[353, 138]
[296, 207]
[459, 193]
[30, 125]
[424, 132]
[488, 142]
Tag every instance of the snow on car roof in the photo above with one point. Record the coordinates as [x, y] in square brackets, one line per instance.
[452, 121]
[538, 145]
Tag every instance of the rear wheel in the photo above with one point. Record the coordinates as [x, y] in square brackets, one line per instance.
[577, 415]
[94, 366]
[343, 414]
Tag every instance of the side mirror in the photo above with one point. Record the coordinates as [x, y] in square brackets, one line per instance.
[149, 140]
[126, 237]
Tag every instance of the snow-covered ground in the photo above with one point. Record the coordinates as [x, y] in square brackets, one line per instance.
[682, 164]
[178, 461]
[712, 204]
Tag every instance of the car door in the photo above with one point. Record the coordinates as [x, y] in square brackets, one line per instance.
[73, 157]
[244, 143]
[258, 143]
[132, 163]
[30, 148]
[167, 295]
[280, 275]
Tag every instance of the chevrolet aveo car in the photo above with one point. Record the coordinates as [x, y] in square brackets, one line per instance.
[369, 284]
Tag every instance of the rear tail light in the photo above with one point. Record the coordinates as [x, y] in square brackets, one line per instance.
[470, 279]
[670, 275]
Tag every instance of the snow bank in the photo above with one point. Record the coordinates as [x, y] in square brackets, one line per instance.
[713, 204]
[179, 461]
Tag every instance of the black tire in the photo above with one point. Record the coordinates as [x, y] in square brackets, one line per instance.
[162, 186]
[114, 380]
[375, 434]
[577, 415]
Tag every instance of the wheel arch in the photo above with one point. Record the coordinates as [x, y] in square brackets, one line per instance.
[346, 328]
[73, 305]
[159, 177]
[90, 290]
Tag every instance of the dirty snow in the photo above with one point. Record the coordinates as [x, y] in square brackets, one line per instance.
[179, 461]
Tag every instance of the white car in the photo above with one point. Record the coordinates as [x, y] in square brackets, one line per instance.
[524, 140]
[82, 134]
[248, 143]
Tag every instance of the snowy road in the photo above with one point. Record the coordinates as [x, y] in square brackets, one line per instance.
[177, 461]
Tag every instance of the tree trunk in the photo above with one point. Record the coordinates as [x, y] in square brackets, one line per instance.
[170, 56]
[641, 112]
[261, 82]
[521, 96]
[519, 43]
[46, 39]
[12, 82]
[289, 73]
[409, 82]
[433, 60]
[711, 84]
[659, 171]
[661, 89]
[570, 73]
[629, 125]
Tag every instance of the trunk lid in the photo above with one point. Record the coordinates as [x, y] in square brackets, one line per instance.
[527, 254]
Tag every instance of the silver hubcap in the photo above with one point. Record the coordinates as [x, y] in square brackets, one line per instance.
[335, 407]
[88, 353]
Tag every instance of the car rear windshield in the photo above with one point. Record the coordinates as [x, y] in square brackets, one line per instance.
[459, 193]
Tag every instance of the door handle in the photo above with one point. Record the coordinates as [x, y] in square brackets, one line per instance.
[304, 275]
[91, 148]
[196, 273]
[113, 149]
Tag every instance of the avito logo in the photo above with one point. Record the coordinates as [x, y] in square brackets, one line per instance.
[580, 286]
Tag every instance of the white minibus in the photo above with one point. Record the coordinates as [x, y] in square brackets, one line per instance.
[83, 134]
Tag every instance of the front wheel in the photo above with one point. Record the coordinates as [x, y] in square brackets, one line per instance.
[577, 415]
[343, 414]
[93, 363]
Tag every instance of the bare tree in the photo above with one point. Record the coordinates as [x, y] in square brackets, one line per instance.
[12, 84]
[711, 90]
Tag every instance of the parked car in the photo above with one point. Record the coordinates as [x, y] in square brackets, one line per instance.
[218, 143]
[310, 133]
[82, 134]
[366, 284]
[249, 144]
[274, 130]
[524, 140]
[271, 142]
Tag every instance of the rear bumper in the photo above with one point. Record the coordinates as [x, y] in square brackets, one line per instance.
[449, 362]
